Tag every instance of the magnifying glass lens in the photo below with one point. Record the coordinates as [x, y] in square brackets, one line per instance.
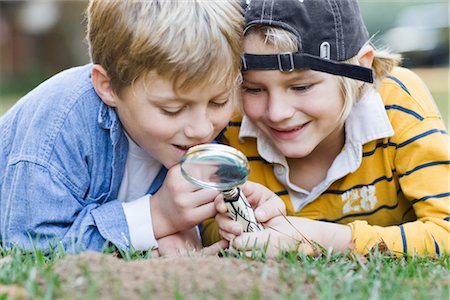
[215, 166]
[222, 168]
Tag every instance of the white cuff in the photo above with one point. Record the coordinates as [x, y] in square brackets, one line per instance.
[139, 219]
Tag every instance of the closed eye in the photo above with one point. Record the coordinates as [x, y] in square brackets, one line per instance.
[219, 104]
[251, 90]
[172, 112]
[302, 88]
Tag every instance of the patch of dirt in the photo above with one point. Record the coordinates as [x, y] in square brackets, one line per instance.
[13, 292]
[209, 277]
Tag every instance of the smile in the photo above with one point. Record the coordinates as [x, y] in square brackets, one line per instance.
[288, 133]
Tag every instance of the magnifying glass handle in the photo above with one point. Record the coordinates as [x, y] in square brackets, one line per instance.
[240, 210]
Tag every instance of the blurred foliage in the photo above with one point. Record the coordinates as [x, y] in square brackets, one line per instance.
[29, 57]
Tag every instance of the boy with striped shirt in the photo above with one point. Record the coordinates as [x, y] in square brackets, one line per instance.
[352, 143]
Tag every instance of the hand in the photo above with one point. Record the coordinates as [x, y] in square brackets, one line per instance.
[179, 205]
[186, 243]
[266, 204]
[179, 244]
[277, 236]
[295, 234]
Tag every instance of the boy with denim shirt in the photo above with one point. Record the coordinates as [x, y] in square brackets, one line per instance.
[84, 156]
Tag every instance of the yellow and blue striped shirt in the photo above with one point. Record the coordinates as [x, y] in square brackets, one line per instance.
[399, 191]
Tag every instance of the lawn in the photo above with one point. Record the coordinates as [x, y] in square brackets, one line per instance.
[290, 276]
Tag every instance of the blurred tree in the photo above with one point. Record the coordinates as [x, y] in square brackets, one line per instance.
[38, 39]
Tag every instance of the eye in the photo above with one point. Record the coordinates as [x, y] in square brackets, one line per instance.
[302, 88]
[220, 103]
[172, 111]
[251, 90]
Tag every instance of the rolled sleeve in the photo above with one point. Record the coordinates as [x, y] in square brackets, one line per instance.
[139, 219]
[111, 222]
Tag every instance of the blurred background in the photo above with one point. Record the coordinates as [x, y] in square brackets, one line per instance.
[40, 38]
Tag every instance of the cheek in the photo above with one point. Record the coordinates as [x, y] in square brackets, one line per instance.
[161, 130]
[253, 109]
[221, 118]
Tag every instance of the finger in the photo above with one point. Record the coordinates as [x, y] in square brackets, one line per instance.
[220, 204]
[250, 241]
[177, 179]
[252, 192]
[202, 197]
[306, 249]
[256, 193]
[272, 208]
[228, 225]
[226, 235]
[155, 254]
[201, 213]
[215, 248]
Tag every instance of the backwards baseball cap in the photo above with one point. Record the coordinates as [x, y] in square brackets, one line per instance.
[328, 32]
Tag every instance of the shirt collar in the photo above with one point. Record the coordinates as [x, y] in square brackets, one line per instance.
[106, 116]
[265, 146]
[366, 122]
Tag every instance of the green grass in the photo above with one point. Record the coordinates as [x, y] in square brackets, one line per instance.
[31, 276]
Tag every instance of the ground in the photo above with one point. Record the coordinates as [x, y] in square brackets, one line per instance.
[209, 277]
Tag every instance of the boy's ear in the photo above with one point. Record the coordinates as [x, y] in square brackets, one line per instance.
[366, 56]
[102, 85]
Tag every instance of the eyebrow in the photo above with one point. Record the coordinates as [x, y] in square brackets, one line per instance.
[306, 75]
[296, 76]
[175, 98]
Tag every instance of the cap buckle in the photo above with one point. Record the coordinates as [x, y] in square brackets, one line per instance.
[283, 59]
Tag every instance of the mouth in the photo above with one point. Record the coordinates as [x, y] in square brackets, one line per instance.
[185, 148]
[181, 147]
[288, 132]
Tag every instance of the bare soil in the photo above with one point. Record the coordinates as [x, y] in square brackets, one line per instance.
[207, 277]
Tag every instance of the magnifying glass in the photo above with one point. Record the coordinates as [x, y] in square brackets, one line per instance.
[220, 167]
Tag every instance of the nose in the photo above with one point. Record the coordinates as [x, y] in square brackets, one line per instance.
[199, 128]
[279, 108]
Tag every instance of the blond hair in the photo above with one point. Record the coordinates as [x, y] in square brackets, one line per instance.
[284, 41]
[193, 42]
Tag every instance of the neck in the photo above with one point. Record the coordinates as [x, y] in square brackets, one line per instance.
[309, 171]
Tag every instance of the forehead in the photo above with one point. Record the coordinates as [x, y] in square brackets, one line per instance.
[153, 85]
[254, 44]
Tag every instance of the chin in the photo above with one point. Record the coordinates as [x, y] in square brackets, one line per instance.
[296, 153]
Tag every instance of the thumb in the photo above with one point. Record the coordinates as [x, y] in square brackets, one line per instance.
[215, 248]
[269, 210]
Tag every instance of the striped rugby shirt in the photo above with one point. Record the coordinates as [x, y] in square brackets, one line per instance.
[390, 183]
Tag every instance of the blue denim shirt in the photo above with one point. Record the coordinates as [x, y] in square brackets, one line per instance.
[62, 158]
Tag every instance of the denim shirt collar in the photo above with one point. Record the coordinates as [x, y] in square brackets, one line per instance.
[107, 119]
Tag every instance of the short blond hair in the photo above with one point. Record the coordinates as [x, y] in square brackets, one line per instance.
[193, 42]
[284, 41]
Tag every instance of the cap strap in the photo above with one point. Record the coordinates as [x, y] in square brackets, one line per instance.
[287, 62]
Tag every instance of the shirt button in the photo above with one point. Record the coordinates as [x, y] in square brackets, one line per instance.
[279, 170]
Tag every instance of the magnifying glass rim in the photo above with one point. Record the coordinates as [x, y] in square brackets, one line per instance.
[213, 148]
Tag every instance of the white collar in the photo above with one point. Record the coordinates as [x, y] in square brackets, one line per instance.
[368, 120]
